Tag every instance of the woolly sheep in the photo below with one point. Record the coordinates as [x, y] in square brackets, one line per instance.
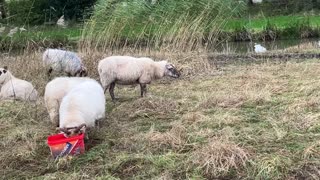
[81, 107]
[54, 92]
[63, 61]
[128, 70]
[13, 88]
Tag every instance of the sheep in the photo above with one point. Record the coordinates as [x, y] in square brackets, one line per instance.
[81, 107]
[63, 61]
[54, 92]
[13, 88]
[127, 70]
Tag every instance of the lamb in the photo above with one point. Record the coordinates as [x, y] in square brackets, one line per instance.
[81, 108]
[54, 92]
[127, 70]
[63, 61]
[13, 88]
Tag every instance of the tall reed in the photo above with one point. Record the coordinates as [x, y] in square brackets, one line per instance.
[175, 25]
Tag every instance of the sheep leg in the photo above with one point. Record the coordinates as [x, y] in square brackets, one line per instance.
[143, 88]
[111, 90]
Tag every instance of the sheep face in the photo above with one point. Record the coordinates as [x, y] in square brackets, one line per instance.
[171, 71]
[82, 72]
[3, 74]
[73, 131]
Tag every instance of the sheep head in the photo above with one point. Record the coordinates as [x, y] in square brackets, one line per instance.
[73, 131]
[83, 72]
[171, 71]
[3, 74]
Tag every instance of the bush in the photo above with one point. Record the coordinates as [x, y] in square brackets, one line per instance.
[27, 11]
[284, 7]
[35, 12]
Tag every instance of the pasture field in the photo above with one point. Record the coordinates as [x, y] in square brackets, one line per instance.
[241, 121]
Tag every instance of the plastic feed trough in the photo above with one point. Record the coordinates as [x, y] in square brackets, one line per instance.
[61, 146]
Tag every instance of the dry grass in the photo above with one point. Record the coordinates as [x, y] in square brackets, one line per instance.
[245, 121]
[219, 157]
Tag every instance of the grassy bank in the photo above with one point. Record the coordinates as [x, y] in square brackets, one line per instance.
[271, 28]
[96, 33]
[281, 22]
[243, 121]
[40, 36]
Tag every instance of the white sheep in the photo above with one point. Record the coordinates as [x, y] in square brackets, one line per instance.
[81, 107]
[128, 70]
[54, 92]
[63, 61]
[13, 88]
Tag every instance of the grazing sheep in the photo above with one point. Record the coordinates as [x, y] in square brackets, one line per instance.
[128, 70]
[81, 107]
[63, 61]
[13, 88]
[54, 92]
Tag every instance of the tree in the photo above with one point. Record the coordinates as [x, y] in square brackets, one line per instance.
[2, 9]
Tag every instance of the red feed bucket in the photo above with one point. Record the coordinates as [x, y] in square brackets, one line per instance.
[61, 146]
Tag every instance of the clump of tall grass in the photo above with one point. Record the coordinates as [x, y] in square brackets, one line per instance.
[183, 25]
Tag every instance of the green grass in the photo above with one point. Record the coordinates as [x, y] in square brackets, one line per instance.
[41, 36]
[246, 122]
[281, 22]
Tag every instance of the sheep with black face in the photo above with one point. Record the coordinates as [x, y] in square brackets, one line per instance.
[13, 88]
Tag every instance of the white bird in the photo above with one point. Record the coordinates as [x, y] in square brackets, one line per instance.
[22, 29]
[257, 1]
[259, 49]
[12, 32]
[61, 22]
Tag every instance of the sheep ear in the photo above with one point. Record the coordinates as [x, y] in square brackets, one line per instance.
[169, 66]
[80, 128]
[5, 67]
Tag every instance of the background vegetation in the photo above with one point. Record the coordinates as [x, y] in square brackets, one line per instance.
[38, 12]
[161, 23]
[179, 24]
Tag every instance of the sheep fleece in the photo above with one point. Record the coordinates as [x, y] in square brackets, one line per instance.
[128, 70]
[85, 103]
[14, 88]
[54, 92]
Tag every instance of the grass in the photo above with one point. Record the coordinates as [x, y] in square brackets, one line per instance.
[281, 22]
[40, 37]
[246, 121]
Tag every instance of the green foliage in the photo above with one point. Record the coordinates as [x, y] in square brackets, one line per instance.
[39, 37]
[183, 24]
[27, 11]
[34, 12]
[284, 7]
